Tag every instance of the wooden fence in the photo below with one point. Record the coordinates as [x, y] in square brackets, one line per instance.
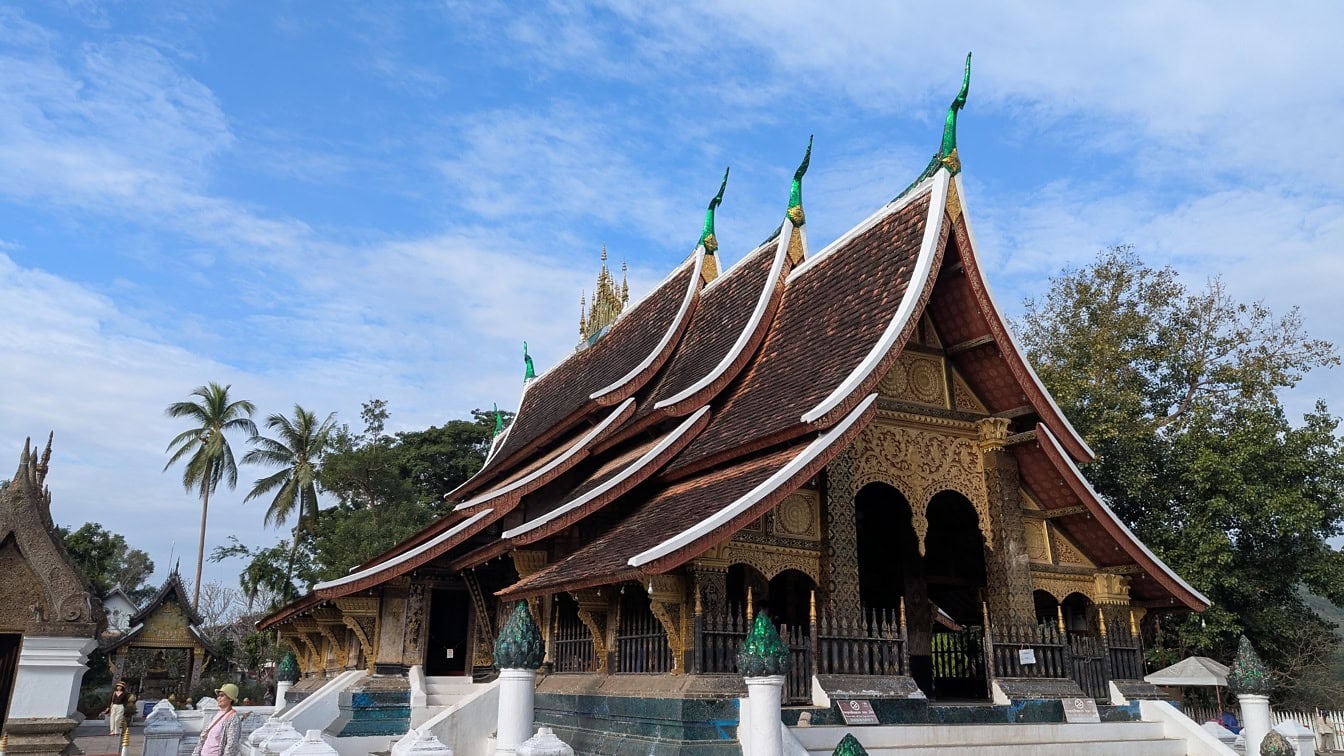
[1334, 720]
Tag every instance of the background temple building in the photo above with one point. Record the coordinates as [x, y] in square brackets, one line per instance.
[848, 440]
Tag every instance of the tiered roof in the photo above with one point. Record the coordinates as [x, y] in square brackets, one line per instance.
[712, 399]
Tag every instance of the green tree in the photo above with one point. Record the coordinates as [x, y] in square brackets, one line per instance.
[297, 449]
[1178, 392]
[206, 444]
[107, 561]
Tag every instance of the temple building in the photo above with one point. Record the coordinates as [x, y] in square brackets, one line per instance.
[847, 439]
[164, 649]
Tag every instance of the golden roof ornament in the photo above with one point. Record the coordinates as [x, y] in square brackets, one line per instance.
[608, 301]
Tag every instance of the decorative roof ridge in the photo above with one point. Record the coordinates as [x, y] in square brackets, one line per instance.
[172, 583]
[687, 427]
[856, 420]
[876, 217]
[337, 583]
[1079, 448]
[492, 468]
[749, 331]
[530, 481]
[921, 279]
[1102, 512]
[674, 328]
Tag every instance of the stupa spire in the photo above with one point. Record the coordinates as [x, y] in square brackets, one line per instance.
[607, 303]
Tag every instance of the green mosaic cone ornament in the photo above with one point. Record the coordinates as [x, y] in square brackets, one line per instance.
[1275, 744]
[763, 652]
[849, 746]
[288, 671]
[519, 644]
[1249, 674]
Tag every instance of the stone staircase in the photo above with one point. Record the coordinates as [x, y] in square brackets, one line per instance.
[1104, 739]
[442, 692]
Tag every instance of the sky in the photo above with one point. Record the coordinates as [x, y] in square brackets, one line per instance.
[325, 202]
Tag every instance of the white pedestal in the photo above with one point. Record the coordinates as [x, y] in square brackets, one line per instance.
[50, 670]
[163, 733]
[545, 743]
[517, 690]
[259, 736]
[312, 744]
[764, 695]
[1254, 719]
[281, 688]
[284, 737]
[1303, 739]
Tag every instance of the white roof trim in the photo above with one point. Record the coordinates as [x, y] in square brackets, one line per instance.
[746, 502]
[864, 225]
[616, 480]
[725, 272]
[403, 558]
[571, 451]
[1064, 455]
[970, 232]
[671, 329]
[762, 304]
[933, 227]
[496, 443]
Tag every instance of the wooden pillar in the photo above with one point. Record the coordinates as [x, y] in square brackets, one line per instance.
[841, 577]
[1007, 564]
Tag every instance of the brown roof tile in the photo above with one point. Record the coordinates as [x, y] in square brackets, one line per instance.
[561, 396]
[830, 317]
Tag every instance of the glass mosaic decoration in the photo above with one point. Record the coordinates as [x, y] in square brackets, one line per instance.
[763, 652]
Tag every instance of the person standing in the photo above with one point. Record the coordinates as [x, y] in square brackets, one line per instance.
[223, 736]
[118, 708]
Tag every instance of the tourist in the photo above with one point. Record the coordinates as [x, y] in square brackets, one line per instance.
[1229, 721]
[116, 710]
[224, 735]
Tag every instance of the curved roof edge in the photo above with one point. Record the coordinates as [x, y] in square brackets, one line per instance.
[809, 461]
[677, 325]
[670, 444]
[1008, 344]
[560, 464]
[406, 560]
[1101, 511]
[929, 250]
[751, 332]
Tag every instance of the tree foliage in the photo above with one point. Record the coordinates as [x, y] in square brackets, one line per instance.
[107, 561]
[387, 488]
[1179, 393]
[206, 446]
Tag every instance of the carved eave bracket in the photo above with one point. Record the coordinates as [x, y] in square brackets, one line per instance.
[667, 596]
[593, 609]
[331, 624]
[360, 615]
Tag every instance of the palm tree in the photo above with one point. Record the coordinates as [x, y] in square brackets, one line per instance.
[296, 450]
[211, 458]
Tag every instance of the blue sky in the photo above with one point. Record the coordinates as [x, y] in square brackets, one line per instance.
[327, 202]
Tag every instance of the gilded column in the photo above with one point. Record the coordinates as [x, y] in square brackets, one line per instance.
[842, 542]
[1007, 564]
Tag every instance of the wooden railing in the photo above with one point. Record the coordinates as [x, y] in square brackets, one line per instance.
[641, 642]
[720, 637]
[1091, 659]
[1049, 655]
[875, 645]
[571, 643]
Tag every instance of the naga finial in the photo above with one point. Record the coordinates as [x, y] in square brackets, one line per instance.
[530, 372]
[795, 211]
[707, 238]
[947, 153]
[499, 421]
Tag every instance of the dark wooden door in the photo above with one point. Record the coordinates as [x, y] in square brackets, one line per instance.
[446, 649]
[10, 643]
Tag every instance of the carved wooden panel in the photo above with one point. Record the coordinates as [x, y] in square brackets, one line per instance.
[916, 377]
[798, 516]
[920, 463]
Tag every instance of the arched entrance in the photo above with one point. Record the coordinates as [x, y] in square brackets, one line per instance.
[891, 572]
[954, 566]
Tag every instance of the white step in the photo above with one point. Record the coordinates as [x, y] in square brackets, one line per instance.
[446, 691]
[1105, 739]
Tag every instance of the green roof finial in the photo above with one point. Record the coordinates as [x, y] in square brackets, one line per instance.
[947, 154]
[795, 211]
[530, 372]
[707, 239]
[849, 746]
[1276, 744]
[763, 653]
[519, 644]
[1248, 673]
[499, 421]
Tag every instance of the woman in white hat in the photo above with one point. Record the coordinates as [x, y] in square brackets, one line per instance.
[118, 708]
[223, 736]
